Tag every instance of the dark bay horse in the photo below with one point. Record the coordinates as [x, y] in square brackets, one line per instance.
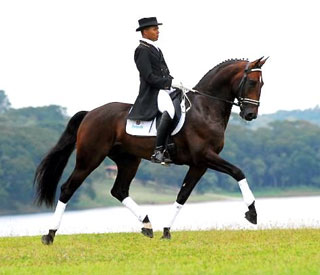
[101, 133]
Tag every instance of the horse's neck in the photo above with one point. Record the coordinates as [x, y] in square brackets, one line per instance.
[219, 85]
[212, 110]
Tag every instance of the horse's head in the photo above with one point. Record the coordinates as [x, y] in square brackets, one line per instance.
[248, 89]
[232, 79]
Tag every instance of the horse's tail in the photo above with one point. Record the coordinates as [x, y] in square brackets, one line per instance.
[50, 169]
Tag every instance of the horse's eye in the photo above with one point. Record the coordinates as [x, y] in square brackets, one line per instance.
[252, 83]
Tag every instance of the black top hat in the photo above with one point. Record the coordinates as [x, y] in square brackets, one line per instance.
[147, 22]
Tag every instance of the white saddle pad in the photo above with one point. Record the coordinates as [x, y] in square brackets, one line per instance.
[148, 128]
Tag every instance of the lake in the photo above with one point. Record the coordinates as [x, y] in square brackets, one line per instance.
[293, 212]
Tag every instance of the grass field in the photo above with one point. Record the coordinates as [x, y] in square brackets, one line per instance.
[197, 252]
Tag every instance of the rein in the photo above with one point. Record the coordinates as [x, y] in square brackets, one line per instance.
[241, 99]
[214, 97]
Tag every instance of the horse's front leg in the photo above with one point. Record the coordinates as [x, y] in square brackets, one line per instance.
[189, 182]
[215, 162]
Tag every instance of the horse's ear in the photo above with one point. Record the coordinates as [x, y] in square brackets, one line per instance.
[256, 63]
[262, 62]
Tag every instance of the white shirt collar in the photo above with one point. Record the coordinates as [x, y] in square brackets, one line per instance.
[153, 43]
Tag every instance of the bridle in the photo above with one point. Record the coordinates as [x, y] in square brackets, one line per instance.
[241, 99]
[241, 89]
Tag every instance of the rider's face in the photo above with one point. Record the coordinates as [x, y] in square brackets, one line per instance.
[151, 33]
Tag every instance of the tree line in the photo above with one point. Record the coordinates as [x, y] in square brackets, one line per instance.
[280, 155]
[283, 155]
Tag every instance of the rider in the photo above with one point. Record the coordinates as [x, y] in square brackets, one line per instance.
[155, 86]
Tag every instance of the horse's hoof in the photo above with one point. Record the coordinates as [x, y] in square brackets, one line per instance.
[148, 232]
[166, 233]
[47, 239]
[251, 215]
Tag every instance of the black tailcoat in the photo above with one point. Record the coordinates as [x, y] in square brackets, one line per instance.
[154, 75]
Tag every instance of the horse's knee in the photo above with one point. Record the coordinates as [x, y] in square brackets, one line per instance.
[118, 193]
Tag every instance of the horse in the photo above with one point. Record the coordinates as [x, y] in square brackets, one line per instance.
[101, 133]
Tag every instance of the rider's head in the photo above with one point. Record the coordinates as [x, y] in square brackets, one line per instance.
[149, 28]
[151, 33]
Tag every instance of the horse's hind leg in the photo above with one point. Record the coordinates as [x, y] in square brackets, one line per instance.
[127, 167]
[84, 167]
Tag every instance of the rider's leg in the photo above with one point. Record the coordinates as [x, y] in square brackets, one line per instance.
[165, 103]
[166, 107]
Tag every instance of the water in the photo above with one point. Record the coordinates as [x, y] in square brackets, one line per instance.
[297, 212]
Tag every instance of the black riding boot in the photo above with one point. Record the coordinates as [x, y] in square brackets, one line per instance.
[163, 129]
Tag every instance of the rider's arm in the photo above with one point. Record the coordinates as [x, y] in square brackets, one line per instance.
[143, 63]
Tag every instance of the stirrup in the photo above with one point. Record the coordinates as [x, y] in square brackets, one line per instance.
[161, 156]
[166, 158]
[158, 155]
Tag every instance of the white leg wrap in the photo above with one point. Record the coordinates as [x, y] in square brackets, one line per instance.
[134, 208]
[246, 192]
[174, 211]
[57, 216]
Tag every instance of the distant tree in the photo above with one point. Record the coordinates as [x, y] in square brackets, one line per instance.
[26, 135]
[4, 102]
[282, 154]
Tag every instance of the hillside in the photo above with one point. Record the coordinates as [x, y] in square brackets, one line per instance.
[280, 155]
[310, 115]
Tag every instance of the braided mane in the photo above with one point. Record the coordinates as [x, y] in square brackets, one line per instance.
[221, 65]
[228, 62]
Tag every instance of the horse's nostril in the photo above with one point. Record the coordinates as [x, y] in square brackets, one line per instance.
[251, 116]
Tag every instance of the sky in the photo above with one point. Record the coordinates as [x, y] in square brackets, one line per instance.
[79, 53]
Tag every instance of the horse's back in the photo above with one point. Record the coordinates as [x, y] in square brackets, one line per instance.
[104, 122]
[112, 108]
[104, 113]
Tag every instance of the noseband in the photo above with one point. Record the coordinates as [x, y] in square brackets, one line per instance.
[241, 99]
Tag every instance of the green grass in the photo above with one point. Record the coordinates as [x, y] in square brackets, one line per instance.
[199, 252]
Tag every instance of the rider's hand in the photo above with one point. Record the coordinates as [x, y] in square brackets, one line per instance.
[176, 84]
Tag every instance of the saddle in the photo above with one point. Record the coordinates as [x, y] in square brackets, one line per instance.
[149, 128]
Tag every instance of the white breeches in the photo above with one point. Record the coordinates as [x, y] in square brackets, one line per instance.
[165, 102]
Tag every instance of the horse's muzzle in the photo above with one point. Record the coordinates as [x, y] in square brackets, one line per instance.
[248, 115]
